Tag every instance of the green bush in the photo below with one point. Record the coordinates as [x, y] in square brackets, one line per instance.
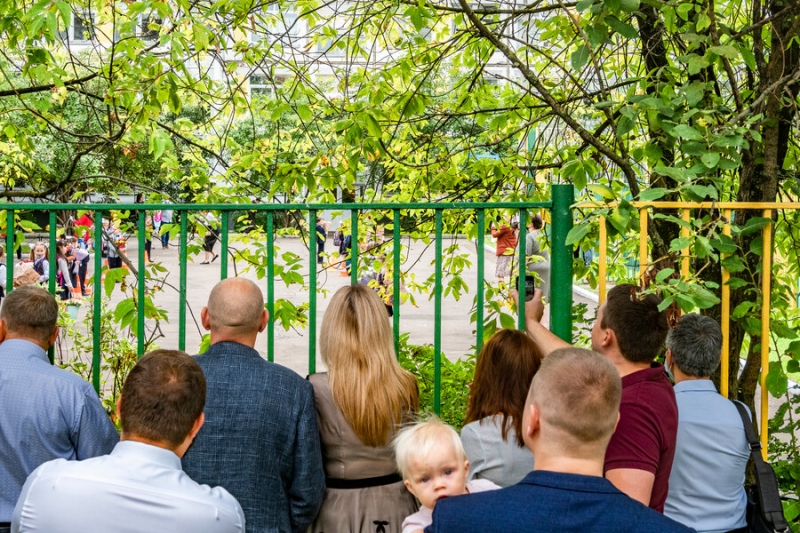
[456, 377]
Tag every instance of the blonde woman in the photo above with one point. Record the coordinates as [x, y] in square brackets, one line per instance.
[361, 401]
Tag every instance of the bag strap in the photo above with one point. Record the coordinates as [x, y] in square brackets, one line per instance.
[766, 483]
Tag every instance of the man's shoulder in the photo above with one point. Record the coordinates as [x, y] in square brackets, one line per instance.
[238, 366]
[589, 508]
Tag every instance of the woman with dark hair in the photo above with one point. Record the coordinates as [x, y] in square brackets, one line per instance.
[493, 434]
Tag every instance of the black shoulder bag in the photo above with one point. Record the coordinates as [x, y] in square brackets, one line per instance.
[764, 508]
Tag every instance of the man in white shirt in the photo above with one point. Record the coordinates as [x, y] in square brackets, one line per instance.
[140, 487]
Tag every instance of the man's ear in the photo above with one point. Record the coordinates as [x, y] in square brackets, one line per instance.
[264, 321]
[668, 358]
[3, 330]
[616, 424]
[204, 319]
[609, 338]
[52, 340]
[534, 420]
[197, 425]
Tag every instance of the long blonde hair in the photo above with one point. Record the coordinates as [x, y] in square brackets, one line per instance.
[367, 382]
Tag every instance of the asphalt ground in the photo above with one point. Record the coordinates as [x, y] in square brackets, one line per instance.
[291, 347]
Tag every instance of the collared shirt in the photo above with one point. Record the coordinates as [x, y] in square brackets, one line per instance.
[647, 428]
[706, 485]
[138, 488]
[47, 413]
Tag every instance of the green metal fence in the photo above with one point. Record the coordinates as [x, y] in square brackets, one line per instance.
[561, 261]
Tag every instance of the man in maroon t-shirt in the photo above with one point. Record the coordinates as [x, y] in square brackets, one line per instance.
[630, 332]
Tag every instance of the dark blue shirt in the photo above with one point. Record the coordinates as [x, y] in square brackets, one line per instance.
[549, 502]
[46, 413]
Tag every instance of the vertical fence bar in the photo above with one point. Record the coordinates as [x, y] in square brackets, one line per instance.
[53, 253]
[141, 285]
[561, 263]
[523, 267]
[10, 241]
[685, 233]
[225, 218]
[182, 287]
[312, 292]
[481, 281]
[97, 298]
[354, 246]
[270, 287]
[642, 242]
[437, 326]
[602, 270]
[766, 282]
[726, 315]
[51, 281]
[396, 249]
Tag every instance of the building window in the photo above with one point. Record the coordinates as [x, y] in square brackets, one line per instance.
[82, 27]
[150, 27]
[263, 85]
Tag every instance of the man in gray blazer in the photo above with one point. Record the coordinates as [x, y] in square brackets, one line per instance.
[260, 440]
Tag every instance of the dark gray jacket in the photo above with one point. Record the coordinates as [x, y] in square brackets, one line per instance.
[260, 440]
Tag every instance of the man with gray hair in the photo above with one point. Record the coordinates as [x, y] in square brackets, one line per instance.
[706, 485]
[47, 413]
[570, 415]
[260, 439]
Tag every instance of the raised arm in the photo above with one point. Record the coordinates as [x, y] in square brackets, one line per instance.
[545, 340]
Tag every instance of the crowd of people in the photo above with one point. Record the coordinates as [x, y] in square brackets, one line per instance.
[558, 438]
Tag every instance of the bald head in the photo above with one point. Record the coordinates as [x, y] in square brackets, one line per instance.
[235, 308]
[577, 393]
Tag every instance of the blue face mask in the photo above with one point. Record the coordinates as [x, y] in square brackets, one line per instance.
[668, 370]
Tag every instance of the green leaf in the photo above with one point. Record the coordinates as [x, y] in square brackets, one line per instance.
[753, 225]
[373, 127]
[200, 35]
[583, 5]
[304, 112]
[725, 50]
[724, 244]
[733, 264]
[663, 274]
[629, 5]
[624, 29]
[580, 57]
[602, 191]
[679, 244]
[710, 159]
[697, 63]
[777, 382]
[619, 218]
[703, 22]
[577, 233]
[686, 132]
[650, 195]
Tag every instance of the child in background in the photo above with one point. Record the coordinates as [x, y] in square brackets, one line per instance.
[40, 263]
[432, 461]
[62, 270]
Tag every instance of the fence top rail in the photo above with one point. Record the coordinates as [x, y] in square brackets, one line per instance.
[280, 207]
[694, 205]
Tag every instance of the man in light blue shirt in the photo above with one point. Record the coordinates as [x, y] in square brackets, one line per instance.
[140, 487]
[47, 413]
[706, 485]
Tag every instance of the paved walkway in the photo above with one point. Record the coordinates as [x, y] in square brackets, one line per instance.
[291, 347]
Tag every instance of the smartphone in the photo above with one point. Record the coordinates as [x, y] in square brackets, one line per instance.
[530, 286]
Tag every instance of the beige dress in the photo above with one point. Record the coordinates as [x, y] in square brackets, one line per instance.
[378, 509]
